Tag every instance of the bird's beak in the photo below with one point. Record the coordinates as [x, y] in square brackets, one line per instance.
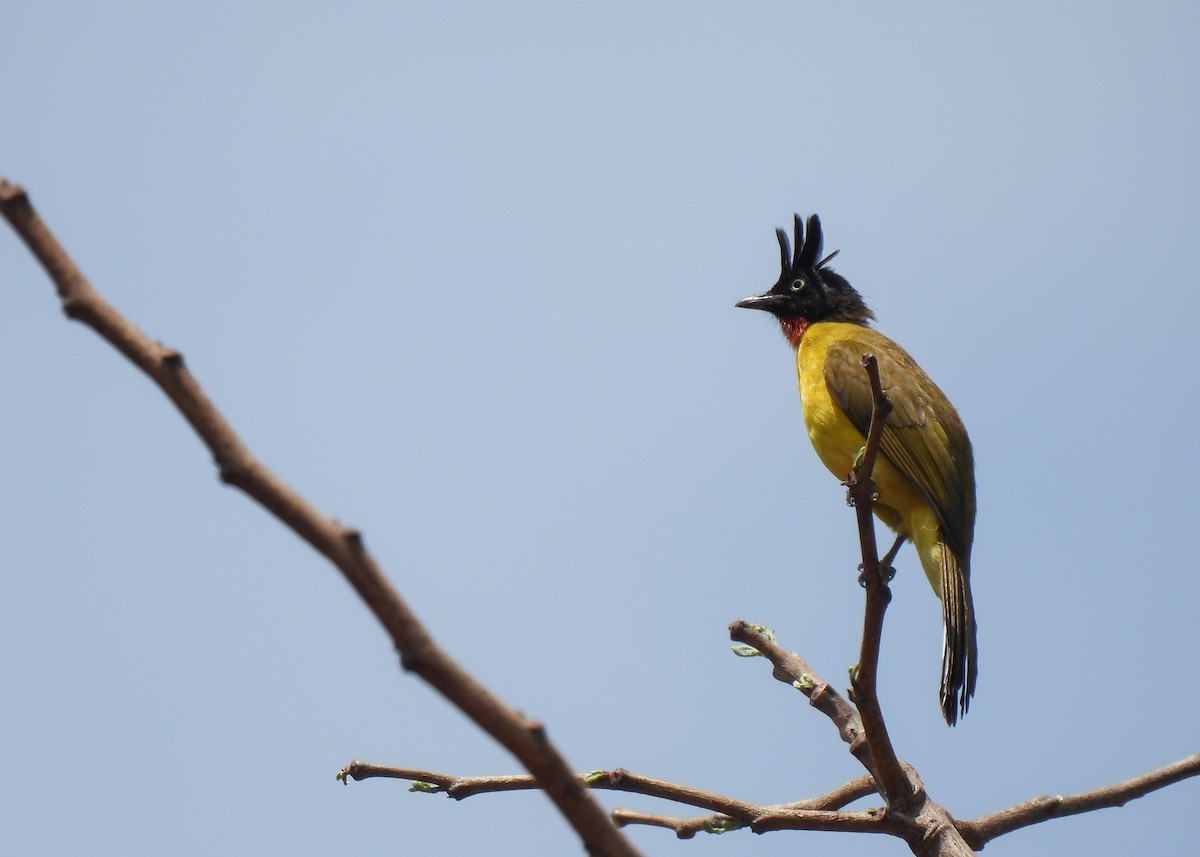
[766, 301]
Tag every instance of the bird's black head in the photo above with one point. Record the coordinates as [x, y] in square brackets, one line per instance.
[808, 291]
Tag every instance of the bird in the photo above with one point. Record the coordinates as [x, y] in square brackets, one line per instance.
[924, 472]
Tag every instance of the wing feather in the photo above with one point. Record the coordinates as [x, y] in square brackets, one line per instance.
[923, 438]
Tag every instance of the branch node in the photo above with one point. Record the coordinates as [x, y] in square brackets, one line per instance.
[172, 359]
[353, 539]
[536, 729]
[73, 306]
[410, 659]
[226, 472]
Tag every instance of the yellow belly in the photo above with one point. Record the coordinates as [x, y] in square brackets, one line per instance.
[837, 443]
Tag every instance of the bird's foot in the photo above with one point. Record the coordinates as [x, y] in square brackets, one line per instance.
[886, 573]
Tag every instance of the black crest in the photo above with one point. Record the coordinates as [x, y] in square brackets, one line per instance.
[808, 249]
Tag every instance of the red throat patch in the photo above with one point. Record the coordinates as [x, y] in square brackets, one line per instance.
[793, 328]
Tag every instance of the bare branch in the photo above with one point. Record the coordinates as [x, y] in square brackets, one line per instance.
[847, 792]
[780, 817]
[772, 819]
[627, 781]
[897, 789]
[617, 779]
[981, 830]
[431, 782]
[684, 828]
[791, 669]
[818, 813]
[524, 738]
[867, 821]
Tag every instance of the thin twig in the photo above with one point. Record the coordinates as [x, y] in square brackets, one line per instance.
[836, 798]
[818, 813]
[524, 738]
[791, 669]
[617, 779]
[867, 821]
[684, 828]
[772, 819]
[985, 828]
[627, 781]
[432, 782]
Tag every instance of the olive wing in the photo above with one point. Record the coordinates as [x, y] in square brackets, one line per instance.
[923, 437]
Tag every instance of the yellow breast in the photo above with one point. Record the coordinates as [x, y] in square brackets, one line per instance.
[833, 436]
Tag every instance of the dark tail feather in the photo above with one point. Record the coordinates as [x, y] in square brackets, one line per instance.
[960, 658]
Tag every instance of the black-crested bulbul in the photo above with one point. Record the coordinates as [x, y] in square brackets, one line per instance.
[925, 469]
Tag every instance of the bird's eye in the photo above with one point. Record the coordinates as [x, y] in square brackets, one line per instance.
[798, 284]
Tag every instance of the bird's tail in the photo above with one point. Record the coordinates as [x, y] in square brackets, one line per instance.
[960, 658]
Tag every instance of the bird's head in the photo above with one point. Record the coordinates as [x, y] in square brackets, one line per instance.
[808, 291]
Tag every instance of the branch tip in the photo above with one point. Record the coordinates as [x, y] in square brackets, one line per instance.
[12, 194]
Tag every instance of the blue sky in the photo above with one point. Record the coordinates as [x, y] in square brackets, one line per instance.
[464, 275]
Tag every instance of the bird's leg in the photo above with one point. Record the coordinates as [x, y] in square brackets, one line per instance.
[885, 563]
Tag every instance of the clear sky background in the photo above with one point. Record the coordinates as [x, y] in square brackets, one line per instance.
[464, 275]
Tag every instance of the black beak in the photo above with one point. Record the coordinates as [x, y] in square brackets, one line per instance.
[766, 301]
